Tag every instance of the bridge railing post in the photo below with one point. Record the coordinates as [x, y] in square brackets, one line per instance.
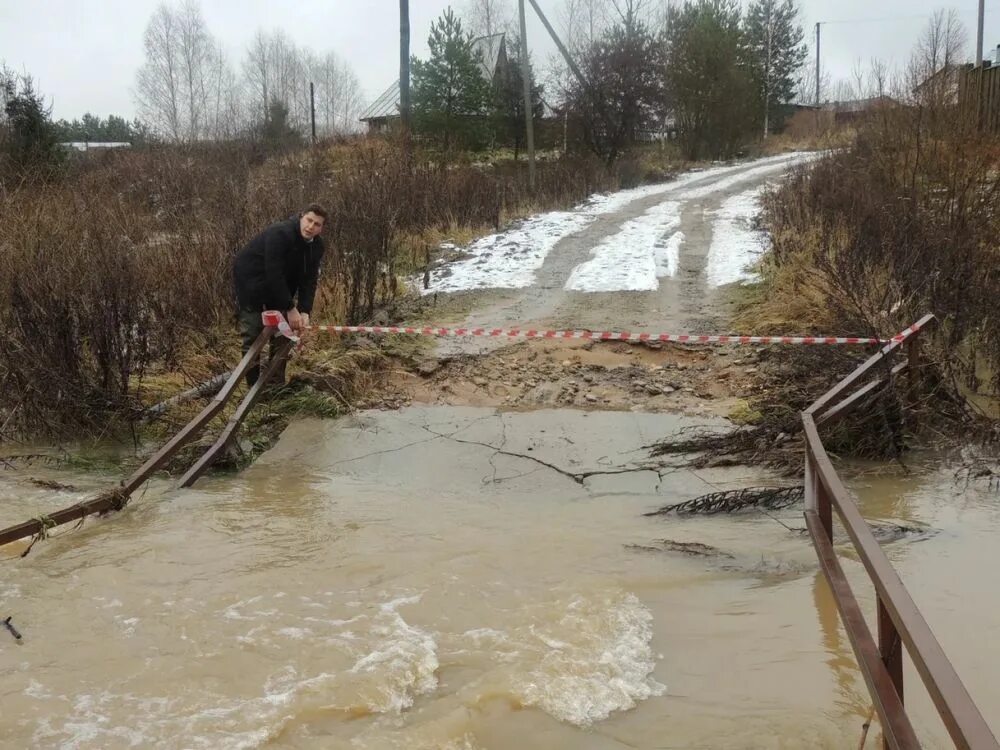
[891, 650]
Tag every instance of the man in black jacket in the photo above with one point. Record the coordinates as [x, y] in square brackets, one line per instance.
[279, 263]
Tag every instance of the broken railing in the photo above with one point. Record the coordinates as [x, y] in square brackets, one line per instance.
[117, 497]
[900, 624]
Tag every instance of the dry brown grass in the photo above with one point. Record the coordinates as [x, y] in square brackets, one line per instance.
[122, 271]
[902, 223]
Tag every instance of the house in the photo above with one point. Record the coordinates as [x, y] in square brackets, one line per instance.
[492, 54]
[88, 145]
[941, 87]
[855, 109]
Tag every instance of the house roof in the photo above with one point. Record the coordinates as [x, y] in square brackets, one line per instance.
[487, 48]
[84, 145]
[386, 105]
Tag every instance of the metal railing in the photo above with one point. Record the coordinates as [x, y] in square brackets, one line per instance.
[900, 624]
[117, 498]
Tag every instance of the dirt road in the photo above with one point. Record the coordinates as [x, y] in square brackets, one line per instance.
[660, 258]
[652, 258]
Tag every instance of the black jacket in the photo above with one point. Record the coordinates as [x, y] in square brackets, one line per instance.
[276, 265]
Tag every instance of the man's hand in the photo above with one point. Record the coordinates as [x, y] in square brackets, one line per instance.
[305, 320]
[295, 320]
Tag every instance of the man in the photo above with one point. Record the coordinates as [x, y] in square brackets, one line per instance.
[277, 265]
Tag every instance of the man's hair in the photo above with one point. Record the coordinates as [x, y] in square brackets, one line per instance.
[316, 209]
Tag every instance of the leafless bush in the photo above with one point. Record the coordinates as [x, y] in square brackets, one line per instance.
[125, 267]
[902, 223]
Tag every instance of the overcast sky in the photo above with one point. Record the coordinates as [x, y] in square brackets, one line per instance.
[84, 56]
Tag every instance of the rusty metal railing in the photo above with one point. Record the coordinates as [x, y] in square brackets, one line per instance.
[900, 624]
[118, 496]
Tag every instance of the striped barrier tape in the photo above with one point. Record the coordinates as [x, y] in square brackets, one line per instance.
[516, 333]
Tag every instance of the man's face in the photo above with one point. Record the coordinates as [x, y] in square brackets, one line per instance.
[310, 225]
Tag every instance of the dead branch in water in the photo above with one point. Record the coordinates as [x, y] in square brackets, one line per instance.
[730, 501]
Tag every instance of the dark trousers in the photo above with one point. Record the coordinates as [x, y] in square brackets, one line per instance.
[251, 326]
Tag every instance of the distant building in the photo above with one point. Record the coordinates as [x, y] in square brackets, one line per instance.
[88, 145]
[492, 54]
[855, 109]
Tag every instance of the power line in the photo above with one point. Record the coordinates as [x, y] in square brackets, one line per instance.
[886, 19]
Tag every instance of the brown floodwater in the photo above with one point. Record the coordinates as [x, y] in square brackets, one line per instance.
[422, 579]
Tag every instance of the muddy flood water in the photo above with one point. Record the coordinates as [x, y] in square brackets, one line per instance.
[404, 580]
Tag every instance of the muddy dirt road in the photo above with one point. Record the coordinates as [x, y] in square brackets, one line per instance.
[653, 258]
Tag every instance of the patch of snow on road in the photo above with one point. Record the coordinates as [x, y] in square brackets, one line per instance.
[736, 244]
[509, 259]
[630, 260]
[667, 255]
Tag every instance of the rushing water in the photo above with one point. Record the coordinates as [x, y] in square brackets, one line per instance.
[391, 581]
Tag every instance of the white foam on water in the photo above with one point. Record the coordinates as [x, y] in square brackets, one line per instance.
[597, 660]
[402, 664]
[736, 243]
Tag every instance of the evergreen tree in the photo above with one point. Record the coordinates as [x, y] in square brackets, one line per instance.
[29, 137]
[709, 79]
[93, 128]
[276, 129]
[450, 95]
[776, 53]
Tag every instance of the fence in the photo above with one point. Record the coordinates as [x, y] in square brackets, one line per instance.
[900, 623]
[979, 95]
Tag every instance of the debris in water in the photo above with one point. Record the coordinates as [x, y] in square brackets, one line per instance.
[694, 549]
[50, 484]
[769, 498]
[13, 631]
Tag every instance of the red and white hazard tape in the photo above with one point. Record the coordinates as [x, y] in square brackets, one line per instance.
[531, 333]
[514, 333]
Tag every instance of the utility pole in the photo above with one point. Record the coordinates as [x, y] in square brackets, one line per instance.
[561, 46]
[817, 63]
[312, 110]
[979, 35]
[404, 69]
[767, 72]
[598, 102]
[529, 124]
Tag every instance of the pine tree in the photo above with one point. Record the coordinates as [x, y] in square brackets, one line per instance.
[31, 136]
[709, 81]
[450, 95]
[775, 51]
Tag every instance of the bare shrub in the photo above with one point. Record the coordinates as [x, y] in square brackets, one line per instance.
[123, 268]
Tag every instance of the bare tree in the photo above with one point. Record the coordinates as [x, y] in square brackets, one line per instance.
[257, 69]
[633, 12]
[488, 17]
[933, 67]
[805, 83]
[158, 85]
[175, 84]
[584, 21]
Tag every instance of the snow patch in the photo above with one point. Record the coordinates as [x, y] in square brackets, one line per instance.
[510, 259]
[627, 261]
[736, 244]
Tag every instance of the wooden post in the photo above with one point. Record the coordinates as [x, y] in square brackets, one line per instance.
[529, 124]
[891, 649]
[404, 69]
[312, 110]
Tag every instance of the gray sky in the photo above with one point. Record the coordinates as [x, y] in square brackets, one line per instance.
[84, 56]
